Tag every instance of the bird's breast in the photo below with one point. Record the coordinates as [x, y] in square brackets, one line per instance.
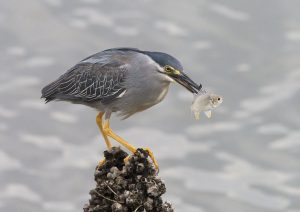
[148, 96]
[162, 94]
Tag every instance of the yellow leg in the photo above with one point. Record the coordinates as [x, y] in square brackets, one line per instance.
[100, 126]
[108, 131]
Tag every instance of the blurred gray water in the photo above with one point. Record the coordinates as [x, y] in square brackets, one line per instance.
[246, 158]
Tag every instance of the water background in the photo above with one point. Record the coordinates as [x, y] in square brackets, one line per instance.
[244, 159]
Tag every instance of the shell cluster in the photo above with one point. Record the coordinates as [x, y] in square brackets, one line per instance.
[133, 186]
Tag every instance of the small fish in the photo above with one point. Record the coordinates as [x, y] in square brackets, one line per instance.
[205, 101]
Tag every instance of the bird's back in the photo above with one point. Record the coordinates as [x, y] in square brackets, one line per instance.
[96, 78]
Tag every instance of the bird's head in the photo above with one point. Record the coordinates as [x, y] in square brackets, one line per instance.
[172, 68]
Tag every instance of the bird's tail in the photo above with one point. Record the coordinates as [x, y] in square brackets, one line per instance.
[49, 91]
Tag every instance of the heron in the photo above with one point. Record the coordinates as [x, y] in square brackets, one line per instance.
[122, 81]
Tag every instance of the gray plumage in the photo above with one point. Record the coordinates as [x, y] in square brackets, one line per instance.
[123, 80]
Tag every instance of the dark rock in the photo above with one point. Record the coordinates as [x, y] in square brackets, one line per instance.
[133, 186]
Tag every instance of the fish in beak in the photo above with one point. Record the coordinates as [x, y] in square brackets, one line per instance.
[205, 102]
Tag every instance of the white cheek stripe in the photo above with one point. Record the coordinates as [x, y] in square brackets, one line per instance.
[151, 61]
[168, 78]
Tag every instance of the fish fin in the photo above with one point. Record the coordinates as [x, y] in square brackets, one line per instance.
[208, 113]
[197, 115]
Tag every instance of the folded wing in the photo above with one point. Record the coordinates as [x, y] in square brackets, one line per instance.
[96, 78]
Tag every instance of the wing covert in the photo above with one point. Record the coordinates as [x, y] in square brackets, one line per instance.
[88, 82]
[99, 77]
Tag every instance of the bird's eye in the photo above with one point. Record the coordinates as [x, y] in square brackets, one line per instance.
[219, 98]
[169, 69]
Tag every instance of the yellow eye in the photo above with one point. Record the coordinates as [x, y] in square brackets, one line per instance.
[169, 69]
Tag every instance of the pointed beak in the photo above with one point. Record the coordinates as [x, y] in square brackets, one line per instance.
[187, 82]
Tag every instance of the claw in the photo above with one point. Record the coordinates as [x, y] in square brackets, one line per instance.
[101, 162]
[151, 155]
[126, 159]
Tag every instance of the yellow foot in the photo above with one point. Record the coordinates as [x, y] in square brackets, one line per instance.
[101, 162]
[126, 159]
[107, 131]
[151, 155]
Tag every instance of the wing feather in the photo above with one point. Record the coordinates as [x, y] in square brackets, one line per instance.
[97, 78]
